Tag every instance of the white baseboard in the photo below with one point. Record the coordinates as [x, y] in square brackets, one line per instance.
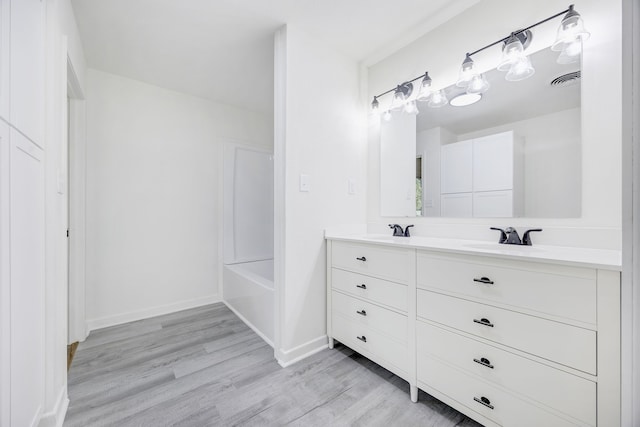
[55, 418]
[132, 316]
[249, 324]
[289, 357]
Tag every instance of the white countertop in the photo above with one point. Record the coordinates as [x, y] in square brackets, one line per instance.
[580, 257]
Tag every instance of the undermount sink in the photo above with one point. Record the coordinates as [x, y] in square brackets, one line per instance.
[502, 247]
[388, 238]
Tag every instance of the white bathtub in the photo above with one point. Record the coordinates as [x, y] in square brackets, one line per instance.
[247, 289]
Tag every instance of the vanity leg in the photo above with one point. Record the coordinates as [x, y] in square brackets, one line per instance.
[414, 393]
[330, 342]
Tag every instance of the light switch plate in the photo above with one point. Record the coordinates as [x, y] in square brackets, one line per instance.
[352, 186]
[305, 183]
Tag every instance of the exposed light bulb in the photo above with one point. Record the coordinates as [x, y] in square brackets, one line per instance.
[478, 84]
[513, 51]
[411, 107]
[520, 70]
[375, 105]
[438, 99]
[571, 52]
[571, 27]
[425, 88]
[401, 95]
[467, 72]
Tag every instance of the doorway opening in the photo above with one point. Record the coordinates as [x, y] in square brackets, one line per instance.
[74, 164]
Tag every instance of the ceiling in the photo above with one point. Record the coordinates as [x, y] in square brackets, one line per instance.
[223, 49]
[508, 102]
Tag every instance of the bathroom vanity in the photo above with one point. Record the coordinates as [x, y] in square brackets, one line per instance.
[508, 335]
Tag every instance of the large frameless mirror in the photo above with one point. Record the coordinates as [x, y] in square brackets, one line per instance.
[514, 152]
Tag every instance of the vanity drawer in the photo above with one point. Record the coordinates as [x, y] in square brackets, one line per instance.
[561, 291]
[560, 390]
[377, 347]
[555, 341]
[395, 264]
[380, 319]
[505, 409]
[377, 290]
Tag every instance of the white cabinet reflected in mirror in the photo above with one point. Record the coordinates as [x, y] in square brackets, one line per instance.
[514, 153]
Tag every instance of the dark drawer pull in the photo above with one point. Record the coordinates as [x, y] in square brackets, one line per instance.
[484, 401]
[484, 362]
[362, 338]
[362, 313]
[363, 286]
[483, 279]
[362, 258]
[484, 322]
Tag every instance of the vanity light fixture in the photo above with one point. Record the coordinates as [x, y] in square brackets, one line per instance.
[467, 72]
[425, 88]
[478, 84]
[520, 70]
[570, 35]
[375, 105]
[570, 30]
[386, 116]
[400, 96]
[411, 107]
[513, 49]
[571, 52]
[438, 99]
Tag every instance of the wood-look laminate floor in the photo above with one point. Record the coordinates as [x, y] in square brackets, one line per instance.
[204, 367]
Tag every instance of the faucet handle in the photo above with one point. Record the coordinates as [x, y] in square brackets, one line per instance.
[526, 239]
[397, 229]
[503, 234]
[406, 231]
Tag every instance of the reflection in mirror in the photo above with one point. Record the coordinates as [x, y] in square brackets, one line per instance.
[514, 153]
[397, 165]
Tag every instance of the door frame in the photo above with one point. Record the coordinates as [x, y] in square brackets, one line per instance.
[630, 295]
[76, 140]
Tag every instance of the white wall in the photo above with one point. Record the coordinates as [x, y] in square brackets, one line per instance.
[600, 223]
[154, 194]
[68, 27]
[320, 131]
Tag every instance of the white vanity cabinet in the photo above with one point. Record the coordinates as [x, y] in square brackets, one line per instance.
[368, 310]
[508, 341]
[483, 177]
[525, 338]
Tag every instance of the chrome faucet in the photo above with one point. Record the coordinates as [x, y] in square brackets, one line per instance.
[398, 231]
[509, 236]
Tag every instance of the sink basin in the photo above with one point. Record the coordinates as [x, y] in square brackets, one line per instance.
[384, 238]
[503, 248]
